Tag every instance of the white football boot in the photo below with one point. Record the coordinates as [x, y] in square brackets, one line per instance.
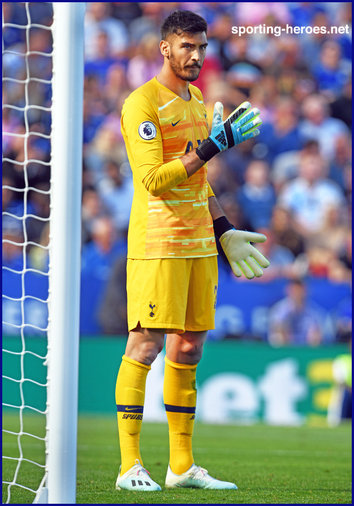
[196, 477]
[138, 479]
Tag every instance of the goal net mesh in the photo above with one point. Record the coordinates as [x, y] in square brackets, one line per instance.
[27, 89]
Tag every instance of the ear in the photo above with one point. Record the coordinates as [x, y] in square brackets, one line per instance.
[165, 48]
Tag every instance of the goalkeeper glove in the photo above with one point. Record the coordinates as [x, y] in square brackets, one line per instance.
[238, 127]
[242, 256]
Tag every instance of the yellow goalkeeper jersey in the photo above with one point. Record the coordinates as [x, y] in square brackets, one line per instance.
[170, 216]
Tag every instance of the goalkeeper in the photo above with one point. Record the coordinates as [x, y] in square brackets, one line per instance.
[172, 256]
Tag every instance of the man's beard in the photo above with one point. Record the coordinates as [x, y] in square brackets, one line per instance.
[185, 73]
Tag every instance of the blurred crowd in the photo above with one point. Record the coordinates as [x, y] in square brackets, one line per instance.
[293, 182]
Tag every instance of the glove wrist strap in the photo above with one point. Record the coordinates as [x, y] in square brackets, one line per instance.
[222, 225]
[207, 149]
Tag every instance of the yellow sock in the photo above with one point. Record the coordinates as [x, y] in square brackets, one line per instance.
[180, 398]
[130, 395]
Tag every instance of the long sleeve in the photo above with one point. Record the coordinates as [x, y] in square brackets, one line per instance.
[142, 135]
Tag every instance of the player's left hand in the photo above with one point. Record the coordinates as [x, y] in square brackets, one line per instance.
[242, 124]
[242, 256]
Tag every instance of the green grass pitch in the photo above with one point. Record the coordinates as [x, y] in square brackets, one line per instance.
[270, 465]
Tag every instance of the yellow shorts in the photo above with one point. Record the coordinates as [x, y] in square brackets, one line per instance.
[176, 294]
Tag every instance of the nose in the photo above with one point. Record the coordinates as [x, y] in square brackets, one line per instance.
[196, 56]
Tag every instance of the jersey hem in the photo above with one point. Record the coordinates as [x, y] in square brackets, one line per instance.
[171, 257]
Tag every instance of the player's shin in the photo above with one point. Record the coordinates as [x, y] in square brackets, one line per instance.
[130, 396]
[180, 397]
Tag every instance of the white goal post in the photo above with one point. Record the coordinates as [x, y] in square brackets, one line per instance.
[65, 247]
[58, 485]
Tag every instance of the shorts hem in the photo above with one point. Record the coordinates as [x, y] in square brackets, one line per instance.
[156, 325]
[168, 326]
[199, 329]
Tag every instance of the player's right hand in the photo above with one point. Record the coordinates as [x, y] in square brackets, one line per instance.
[242, 124]
[243, 257]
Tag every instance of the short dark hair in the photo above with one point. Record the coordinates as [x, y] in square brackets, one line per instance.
[183, 22]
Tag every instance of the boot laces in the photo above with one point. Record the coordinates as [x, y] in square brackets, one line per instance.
[141, 469]
[200, 470]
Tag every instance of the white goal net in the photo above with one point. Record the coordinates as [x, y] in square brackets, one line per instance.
[27, 76]
[28, 56]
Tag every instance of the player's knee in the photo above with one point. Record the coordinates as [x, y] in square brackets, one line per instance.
[192, 350]
[148, 351]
